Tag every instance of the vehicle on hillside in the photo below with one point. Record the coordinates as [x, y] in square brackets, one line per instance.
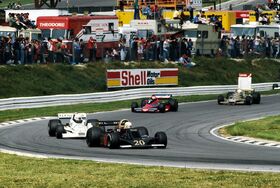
[206, 41]
[104, 29]
[156, 103]
[253, 30]
[76, 126]
[243, 95]
[14, 33]
[121, 134]
[150, 28]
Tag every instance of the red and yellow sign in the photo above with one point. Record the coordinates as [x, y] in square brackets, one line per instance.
[141, 77]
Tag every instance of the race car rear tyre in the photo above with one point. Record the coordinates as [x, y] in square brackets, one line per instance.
[274, 86]
[174, 104]
[52, 126]
[133, 106]
[143, 131]
[59, 131]
[93, 136]
[113, 140]
[161, 107]
[143, 102]
[256, 98]
[161, 138]
[248, 100]
[221, 99]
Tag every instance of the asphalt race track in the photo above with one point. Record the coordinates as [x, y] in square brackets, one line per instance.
[190, 143]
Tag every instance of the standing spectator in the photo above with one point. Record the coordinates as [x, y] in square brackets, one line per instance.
[133, 47]
[22, 51]
[82, 50]
[29, 53]
[59, 55]
[76, 51]
[190, 9]
[189, 47]
[136, 10]
[122, 49]
[237, 47]
[8, 50]
[16, 47]
[166, 46]
[257, 13]
[91, 46]
[274, 48]
[140, 50]
[231, 48]
[244, 46]
[268, 47]
[51, 50]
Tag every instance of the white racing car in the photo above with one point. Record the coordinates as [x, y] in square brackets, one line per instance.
[76, 126]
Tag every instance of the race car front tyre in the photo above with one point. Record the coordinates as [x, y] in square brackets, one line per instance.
[113, 140]
[59, 131]
[133, 106]
[174, 104]
[143, 131]
[93, 136]
[161, 107]
[221, 99]
[52, 126]
[248, 100]
[161, 138]
[256, 98]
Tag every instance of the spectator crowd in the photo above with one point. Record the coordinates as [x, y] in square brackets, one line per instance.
[25, 51]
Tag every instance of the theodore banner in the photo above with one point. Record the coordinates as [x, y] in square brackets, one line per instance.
[141, 77]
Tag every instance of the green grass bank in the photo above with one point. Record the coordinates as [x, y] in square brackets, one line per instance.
[36, 80]
[18, 171]
[267, 128]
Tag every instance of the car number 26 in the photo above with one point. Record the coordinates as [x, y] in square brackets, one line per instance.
[139, 142]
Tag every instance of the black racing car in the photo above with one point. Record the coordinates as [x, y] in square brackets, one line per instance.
[120, 134]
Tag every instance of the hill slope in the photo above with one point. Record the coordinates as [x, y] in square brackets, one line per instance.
[34, 80]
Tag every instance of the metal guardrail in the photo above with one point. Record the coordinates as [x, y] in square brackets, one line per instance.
[58, 100]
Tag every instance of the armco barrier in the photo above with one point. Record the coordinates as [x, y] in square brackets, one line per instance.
[56, 100]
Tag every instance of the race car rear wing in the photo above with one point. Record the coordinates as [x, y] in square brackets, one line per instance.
[163, 96]
[109, 123]
[64, 115]
[69, 115]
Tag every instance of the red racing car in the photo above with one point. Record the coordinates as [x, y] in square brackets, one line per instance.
[157, 103]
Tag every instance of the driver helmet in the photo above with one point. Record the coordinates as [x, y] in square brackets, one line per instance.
[78, 118]
[239, 90]
[127, 125]
[122, 123]
[154, 97]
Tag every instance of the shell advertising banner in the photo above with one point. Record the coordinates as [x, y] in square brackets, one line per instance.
[141, 77]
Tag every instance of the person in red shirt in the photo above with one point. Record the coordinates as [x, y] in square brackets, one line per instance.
[91, 46]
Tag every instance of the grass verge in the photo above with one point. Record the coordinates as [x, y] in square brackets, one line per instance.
[18, 171]
[267, 128]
